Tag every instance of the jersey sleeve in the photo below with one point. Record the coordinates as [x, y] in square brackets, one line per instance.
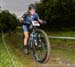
[23, 16]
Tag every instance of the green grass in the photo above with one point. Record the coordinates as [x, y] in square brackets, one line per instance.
[4, 58]
[62, 51]
[62, 33]
[65, 49]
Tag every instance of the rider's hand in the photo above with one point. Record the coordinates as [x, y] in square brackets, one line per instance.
[21, 19]
[44, 22]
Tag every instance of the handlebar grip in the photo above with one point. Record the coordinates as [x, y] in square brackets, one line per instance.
[44, 22]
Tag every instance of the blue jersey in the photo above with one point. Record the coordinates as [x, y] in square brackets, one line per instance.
[29, 18]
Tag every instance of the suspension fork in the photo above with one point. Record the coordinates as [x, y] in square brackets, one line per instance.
[31, 40]
[32, 37]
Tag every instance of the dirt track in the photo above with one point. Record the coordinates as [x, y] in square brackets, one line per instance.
[21, 60]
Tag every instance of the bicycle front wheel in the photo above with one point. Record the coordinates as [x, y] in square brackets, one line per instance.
[41, 49]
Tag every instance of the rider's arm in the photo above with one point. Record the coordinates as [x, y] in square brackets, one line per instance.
[24, 20]
[41, 21]
[21, 19]
[38, 19]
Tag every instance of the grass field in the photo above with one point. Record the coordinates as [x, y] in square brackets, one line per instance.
[4, 58]
[62, 52]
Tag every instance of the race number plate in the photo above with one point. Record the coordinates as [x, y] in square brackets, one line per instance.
[35, 23]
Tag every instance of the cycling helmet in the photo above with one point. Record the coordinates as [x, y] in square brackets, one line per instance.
[32, 6]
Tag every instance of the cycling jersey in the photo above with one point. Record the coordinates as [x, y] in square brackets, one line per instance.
[28, 18]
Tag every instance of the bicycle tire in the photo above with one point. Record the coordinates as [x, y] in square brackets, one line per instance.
[46, 58]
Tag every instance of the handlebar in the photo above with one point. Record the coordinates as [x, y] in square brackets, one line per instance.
[29, 23]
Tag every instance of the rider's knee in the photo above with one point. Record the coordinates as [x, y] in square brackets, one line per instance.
[26, 35]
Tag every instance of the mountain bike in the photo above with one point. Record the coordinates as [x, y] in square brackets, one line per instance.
[39, 43]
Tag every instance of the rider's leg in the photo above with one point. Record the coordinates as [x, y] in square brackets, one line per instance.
[26, 36]
[25, 33]
[26, 47]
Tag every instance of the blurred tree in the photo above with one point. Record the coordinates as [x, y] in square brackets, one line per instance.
[58, 13]
[8, 21]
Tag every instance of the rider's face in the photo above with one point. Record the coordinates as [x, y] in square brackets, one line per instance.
[32, 11]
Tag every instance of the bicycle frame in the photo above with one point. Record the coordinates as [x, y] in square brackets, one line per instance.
[32, 36]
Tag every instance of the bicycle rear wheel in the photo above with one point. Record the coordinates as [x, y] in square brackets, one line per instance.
[41, 48]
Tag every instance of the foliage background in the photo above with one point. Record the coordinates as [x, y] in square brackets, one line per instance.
[8, 21]
[60, 14]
